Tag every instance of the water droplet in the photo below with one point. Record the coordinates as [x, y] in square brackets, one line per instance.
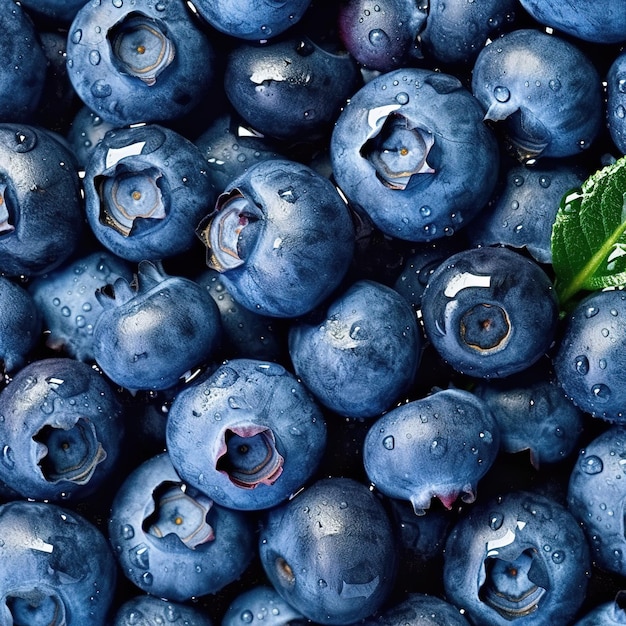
[378, 37]
[501, 94]
[518, 180]
[56, 301]
[389, 442]
[402, 97]
[591, 311]
[77, 35]
[591, 464]
[139, 555]
[601, 392]
[147, 579]
[545, 181]
[101, 89]
[496, 520]
[8, 458]
[94, 57]
[602, 364]
[322, 584]
[425, 211]
[247, 617]
[554, 84]
[438, 446]
[117, 3]
[581, 364]
[128, 532]
[620, 111]
[558, 556]
[160, 6]
[621, 85]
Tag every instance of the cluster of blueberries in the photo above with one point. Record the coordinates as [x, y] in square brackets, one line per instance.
[279, 334]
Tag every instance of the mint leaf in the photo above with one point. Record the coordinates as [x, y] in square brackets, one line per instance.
[589, 234]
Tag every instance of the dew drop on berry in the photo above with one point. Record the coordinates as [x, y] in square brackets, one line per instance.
[591, 464]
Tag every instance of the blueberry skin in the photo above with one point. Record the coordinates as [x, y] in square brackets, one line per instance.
[62, 11]
[490, 312]
[343, 565]
[534, 415]
[231, 148]
[20, 325]
[249, 435]
[159, 525]
[260, 604]
[518, 557]
[154, 611]
[61, 432]
[363, 354]
[23, 70]
[382, 36]
[596, 500]
[590, 357]
[410, 149]
[616, 102]
[66, 298]
[252, 19]
[439, 446]
[41, 215]
[420, 609]
[542, 90]
[146, 189]
[291, 89]
[522, 214]
[282, 237]
[457, 31]
[145, 61]
[149, 336]
[245, 334]
[609, 613]
[85, 132]
[600, 22]
[57, 567]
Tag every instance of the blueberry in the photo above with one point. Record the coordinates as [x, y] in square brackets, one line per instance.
[143, 61]
[159, 524]
[343, 564]
[249, 435]
[544, 92]
[411, 151]
[61, 11]
[23, 69]
[146, 189]
[41, 210]
[435, 447]
[155, 611]
[520, 557]
[20, 325]
[85, 132]
[534, 415]
[490, 312]
[61, 430]
[260, 604]
[597, 500]
[422, 609]
[382, 35]
[616, 101]
[251, 19]
[590, 358]
[57, 567]
[282, 237]
[522, 214]
[151, 334]
[602, 21]
[66, 298]
[290, 89]
[363, 354]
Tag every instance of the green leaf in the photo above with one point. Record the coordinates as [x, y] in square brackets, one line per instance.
[589, 234]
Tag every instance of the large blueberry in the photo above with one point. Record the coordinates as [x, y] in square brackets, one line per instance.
[616, 101]
[67, 301]
[520, 558]
[363, 354]
[41, 210]
[590, 359]
[261, 604]
[596, 497]
[410, 149]
[146, 189]
[601, 21]
[290, 89]
[249, 435]
[490, 312]
[61, 430]
[146, 610]
[56, 567]
[160, 525]
[342, 566]
[439, 446]
[141, 61]
[282, 237]
[252, 19]
[151, 334]
[522, 214]
[20, 325]
[542, 90]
